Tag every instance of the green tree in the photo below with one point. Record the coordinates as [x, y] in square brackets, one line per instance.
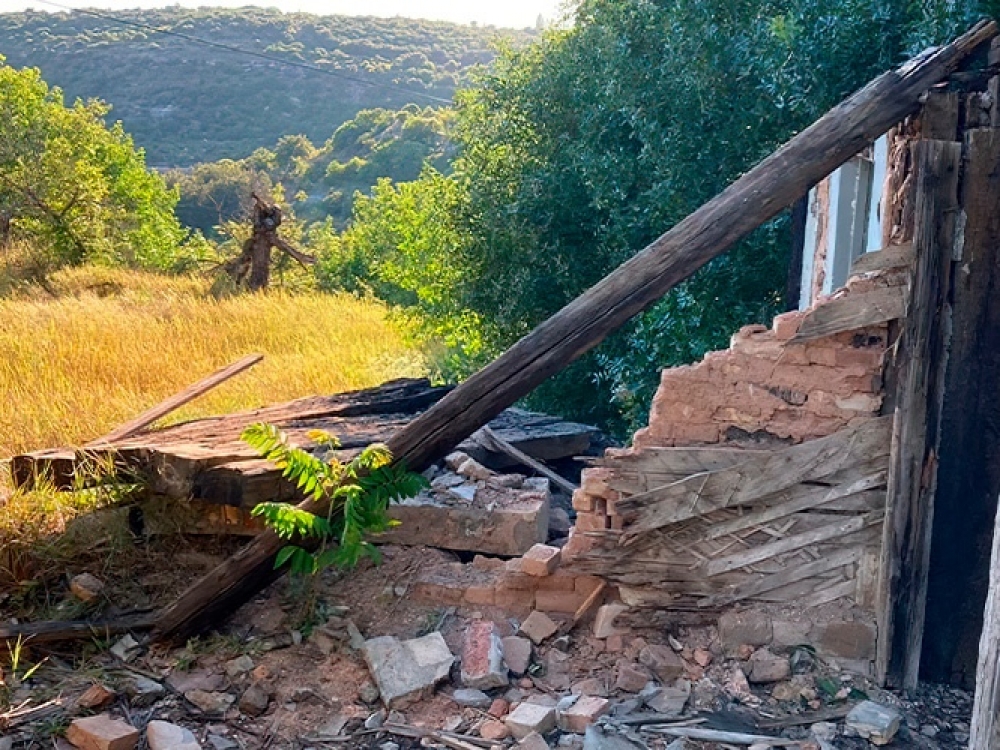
[75, 188]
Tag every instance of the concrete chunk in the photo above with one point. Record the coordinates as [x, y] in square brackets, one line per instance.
[406, 671]
[471, 698]
[102, 732]
[582, 713]
[517, 654]
[530, 717]
[874, 722]
[538, 626]
[768, 667]
[162, 735]
[666, 665]
[482, 657]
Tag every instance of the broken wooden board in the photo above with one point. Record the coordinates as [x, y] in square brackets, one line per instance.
[852, 312]
[205, 460]
[894, 256]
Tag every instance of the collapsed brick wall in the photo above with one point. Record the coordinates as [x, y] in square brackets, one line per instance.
[768, 388]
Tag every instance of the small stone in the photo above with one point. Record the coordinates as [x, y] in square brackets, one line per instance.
[517, 654]
[541, 560]
[631, 678]
[614, 644]
[207, 681]
[591, 686]
[824, 730]
[494, 730]
[389, 746]
[254, 700]
[929, 730]
[367, 692]
[86, 587]
[162, 735]
[530, 717]
[210, 703]
[334, 725]
[702, 657]
[604, 620]
[498, 708]
[471, 698]
[96, 696]
[664, 662]
[670, 701]
[375, 720]
[744, 652]
[455, 459]
[472, 469]
[737, 685]
[785, 691]
[538, 627]
[768, 667]
[218, 742]
[559, 523]
[102, 732]
[605, 738]
[533, 741]
[874, 722]
[143, 691]
[126, 648]
[239, 665]
[582, 714]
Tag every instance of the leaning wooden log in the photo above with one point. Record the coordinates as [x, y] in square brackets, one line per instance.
[52, 631]
[756, 197]
[175, 402]
[985, 727]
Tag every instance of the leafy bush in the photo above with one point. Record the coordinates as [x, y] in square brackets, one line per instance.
[357, 495]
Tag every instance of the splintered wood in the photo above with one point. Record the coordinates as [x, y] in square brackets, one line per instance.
[729, 525]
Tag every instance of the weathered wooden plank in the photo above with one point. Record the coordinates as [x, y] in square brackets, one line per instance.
[757, 196]
[801, 497]
[755, 479]
[851, 312]
[921, 356]
[790, 575]
[969, 469]
[829, 594]
[494, 442]
[178, 400]
[683, 461]
[894, 256]
[985, 725]
[790, 543]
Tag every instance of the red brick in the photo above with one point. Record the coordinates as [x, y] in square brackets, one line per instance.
[591, 522]
[695, 433]
[514, 600]
[438, 593]
[558, 601]
[870, 359]
[558, 581]
[484, 595]
[541, 560]
[818, 354]
[582, 501]
[102, 732]
[786, 325]
[587, 585]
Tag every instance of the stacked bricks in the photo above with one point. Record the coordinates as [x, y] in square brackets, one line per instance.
[764, 389]
[508, 585]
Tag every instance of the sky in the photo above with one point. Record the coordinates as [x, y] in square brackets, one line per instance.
[511, 13]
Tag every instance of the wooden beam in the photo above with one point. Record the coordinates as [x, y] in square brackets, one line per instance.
[913, 461]
[753, 199]
[497, 443]
[851, 312]
[53, 631]
[177, 401]
[985, 726]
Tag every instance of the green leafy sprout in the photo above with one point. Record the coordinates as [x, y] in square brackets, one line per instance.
[357, 494]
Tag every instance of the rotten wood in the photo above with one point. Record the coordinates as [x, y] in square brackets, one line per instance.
[894, 256]
[717, 735]
[67, 630]
[851, 312]
[757, 196]
[755, 479]
[920, 357]
[177, 401]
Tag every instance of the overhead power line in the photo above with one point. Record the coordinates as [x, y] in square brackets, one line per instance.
[249, 52]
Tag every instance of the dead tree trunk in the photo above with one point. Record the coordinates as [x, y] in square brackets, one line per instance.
[985, 728]
[758, 196]
[254, 264]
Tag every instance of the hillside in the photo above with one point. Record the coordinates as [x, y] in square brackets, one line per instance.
[186, 102]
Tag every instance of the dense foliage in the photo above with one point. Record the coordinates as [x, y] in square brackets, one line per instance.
[321, 181]
[75, 188]
[577, 151]
[186, 103]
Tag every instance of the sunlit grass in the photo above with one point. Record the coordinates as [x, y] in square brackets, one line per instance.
[102, 345]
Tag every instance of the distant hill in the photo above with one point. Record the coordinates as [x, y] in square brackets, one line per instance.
[185, 102]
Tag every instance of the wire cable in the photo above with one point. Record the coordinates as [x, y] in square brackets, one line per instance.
[251, 53]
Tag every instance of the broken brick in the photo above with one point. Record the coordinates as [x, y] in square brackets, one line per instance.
[540, 560]
[102, 732]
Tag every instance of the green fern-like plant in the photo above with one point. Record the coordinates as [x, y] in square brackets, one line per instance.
[357, 492]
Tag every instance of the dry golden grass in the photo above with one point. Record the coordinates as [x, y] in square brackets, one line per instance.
[111, 343]
[74, 367]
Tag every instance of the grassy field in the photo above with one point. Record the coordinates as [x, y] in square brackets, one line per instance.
[102, 345]
[113, 343]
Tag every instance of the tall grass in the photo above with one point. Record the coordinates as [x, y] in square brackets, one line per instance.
[95, 347]
[112, 343]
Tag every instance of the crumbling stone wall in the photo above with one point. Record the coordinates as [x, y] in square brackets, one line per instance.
[767, 388]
